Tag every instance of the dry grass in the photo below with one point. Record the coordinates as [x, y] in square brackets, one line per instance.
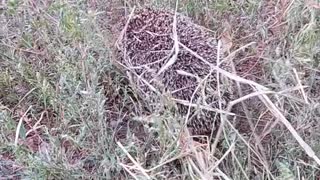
[66, 112]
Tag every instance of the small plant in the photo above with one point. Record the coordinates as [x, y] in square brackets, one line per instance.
[66, 112]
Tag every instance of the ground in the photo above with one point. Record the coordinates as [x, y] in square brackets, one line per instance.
[66, 112]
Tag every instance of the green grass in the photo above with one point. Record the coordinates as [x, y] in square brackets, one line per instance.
[79, 115]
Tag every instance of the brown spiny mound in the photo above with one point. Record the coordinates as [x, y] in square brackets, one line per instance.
[146, 44]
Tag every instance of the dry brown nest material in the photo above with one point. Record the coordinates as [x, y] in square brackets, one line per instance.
[158, 50]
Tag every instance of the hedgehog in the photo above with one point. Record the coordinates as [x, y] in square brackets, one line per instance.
[145, 46]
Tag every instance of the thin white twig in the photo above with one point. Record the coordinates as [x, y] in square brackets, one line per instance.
[173, 59]
[231, 148]
[19, 126]
[204, 107]
[288, 125]
[215, 143]
[128, 170]
[142, 170]
[301, 87]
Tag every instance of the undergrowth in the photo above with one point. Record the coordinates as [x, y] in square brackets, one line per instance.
[66, 112]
